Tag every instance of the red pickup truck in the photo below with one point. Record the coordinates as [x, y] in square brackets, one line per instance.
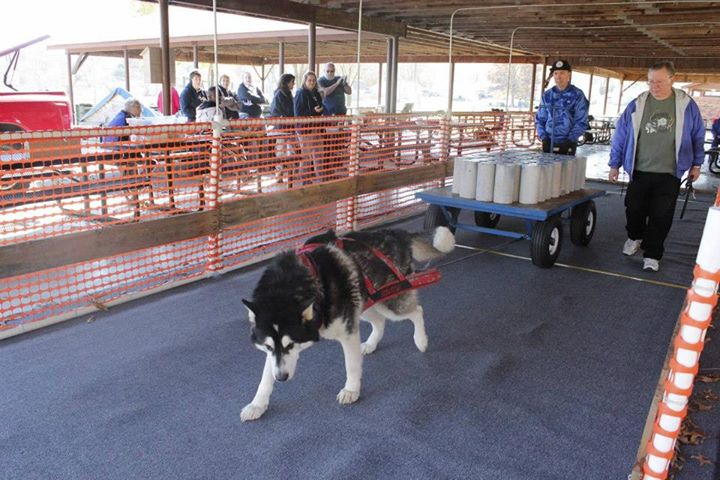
[28, 111]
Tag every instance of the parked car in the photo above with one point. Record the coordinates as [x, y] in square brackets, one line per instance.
[27, 111]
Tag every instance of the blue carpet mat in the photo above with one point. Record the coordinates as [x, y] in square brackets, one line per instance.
[530, 374]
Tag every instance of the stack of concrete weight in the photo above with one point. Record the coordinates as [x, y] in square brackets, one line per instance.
[518, 177]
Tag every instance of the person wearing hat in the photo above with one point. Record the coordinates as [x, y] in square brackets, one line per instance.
[562, 117]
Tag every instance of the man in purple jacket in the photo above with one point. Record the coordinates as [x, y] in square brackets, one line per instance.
[657, 139]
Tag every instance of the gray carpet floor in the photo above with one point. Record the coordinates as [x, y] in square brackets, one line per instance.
[530, 374]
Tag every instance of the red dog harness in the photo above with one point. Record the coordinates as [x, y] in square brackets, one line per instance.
[393, 288]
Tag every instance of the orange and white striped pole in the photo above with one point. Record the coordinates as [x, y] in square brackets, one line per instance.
[694, 322]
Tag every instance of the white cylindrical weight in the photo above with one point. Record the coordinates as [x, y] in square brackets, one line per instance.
[468, 179]
[485, 181]
[505, 175]
[556, 179]
[530, 177]
[457, 166]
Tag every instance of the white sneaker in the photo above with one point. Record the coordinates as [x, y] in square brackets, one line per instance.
[631, 247]
[651, 264]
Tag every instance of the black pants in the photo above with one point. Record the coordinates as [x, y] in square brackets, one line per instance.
[650, 208]
[563, 147]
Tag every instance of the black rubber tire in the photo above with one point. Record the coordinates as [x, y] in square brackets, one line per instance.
[546, 242]
[486, 219]
[434, 217]
[714, 162]
[582, 223]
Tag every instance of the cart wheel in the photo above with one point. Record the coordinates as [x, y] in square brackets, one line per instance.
[485, 219]
[546, 242]
[582, 223]
[434, 217]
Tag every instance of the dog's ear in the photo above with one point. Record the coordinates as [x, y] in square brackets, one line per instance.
[307, 314]
[251, 310]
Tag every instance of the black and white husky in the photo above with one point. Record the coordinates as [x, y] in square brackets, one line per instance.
[293, 305]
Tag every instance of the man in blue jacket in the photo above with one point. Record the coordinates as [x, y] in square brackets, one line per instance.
[658, 138]
[562, 117]
[192, 96]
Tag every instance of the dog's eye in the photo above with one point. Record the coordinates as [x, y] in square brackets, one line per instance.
[289, 346]
[269, 348]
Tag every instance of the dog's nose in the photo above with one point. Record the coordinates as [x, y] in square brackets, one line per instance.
[281, 377]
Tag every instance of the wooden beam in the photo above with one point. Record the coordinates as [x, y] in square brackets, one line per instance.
[298, 12]
[78, 62]
[589, 97]
[607, 88]
[281, 57]
[689, 65]
[37, 255]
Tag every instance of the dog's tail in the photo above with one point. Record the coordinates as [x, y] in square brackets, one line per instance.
[443, 242]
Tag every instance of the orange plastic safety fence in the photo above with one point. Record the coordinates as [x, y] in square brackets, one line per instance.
[58, 183]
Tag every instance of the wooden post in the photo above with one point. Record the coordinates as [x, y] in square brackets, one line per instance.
[127, 69]
[70, 86]
[532, 87]
[262, 77]
[389, 76]
[607, 87]
[165, 56]
[590, 89]
[196, 56]
[451, 85]
[281, 57]
[396, 55]
[311, 46]
[379, 102]
[622, 83]
[544, 77]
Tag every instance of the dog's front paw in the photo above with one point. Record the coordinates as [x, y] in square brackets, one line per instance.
[252, 412]
[421, 342]
[368, 348]
[346, 397]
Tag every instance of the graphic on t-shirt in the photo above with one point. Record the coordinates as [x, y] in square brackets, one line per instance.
[659, 122]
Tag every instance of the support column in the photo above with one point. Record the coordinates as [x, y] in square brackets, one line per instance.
[379, 102]
[592, 74]
[127, 69]
[311, 46]
[70, 86]
[281, 57]
[451, 86]
[262, 78]
[396, 54]
[607, 87]
[544, 82]
[388, 76]
[622, 83]
[165, 56]
[532, 87]
[196, 56]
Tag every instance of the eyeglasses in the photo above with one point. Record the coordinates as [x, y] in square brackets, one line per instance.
[659, 82]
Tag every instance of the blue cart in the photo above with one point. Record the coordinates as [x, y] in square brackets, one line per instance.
[543, 220]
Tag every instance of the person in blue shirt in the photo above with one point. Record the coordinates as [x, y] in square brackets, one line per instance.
[333, 90]
[250, 97]
[562, 117]
[308, 103]
[659, 137]
[282, 103]
[131, 109]
[192, 96]
[715, 130]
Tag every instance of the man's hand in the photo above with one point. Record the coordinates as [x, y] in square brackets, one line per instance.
[613, 175]
[319, 109]
[694, 173]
